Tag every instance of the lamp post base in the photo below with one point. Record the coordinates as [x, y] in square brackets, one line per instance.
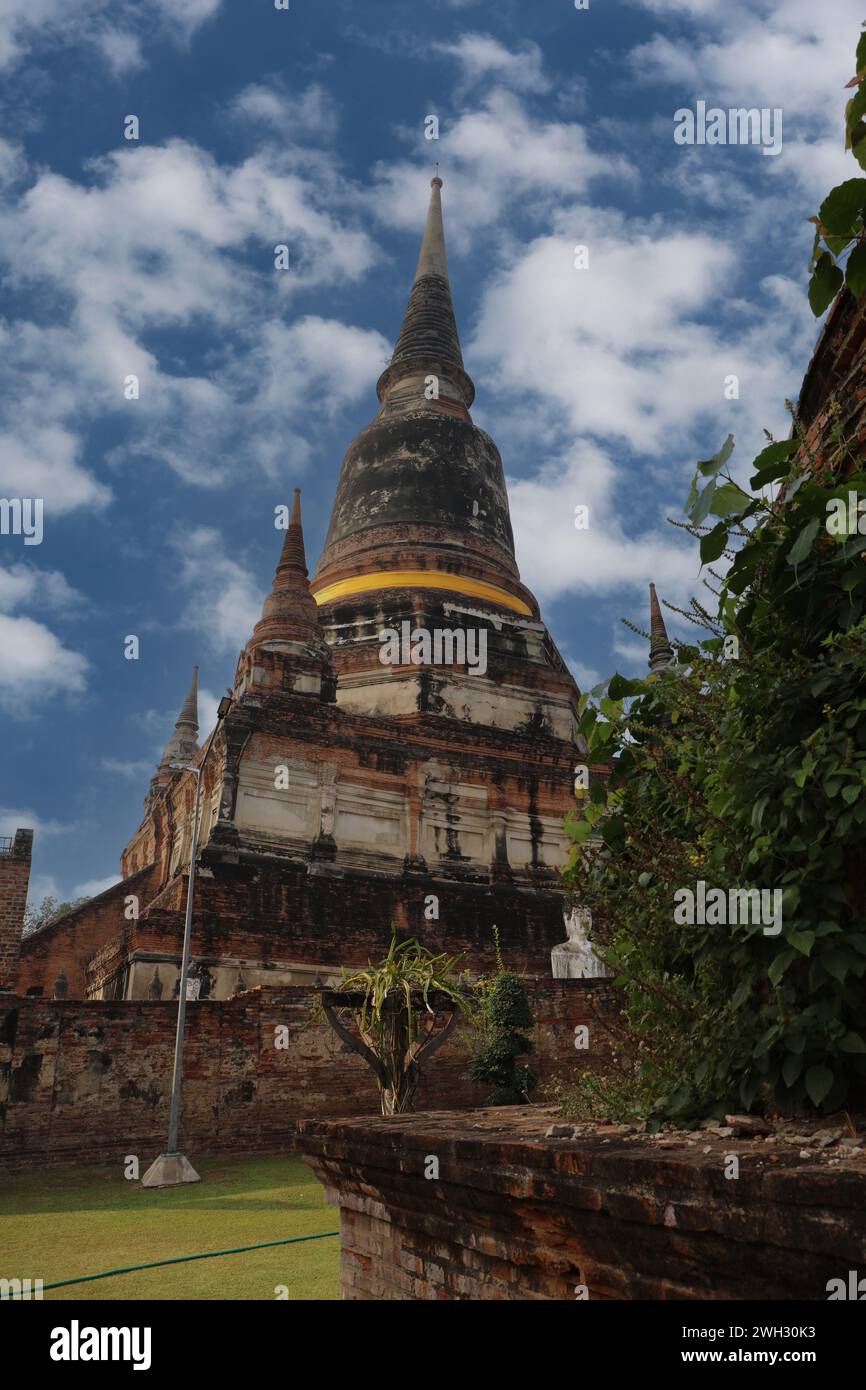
[169, 1170]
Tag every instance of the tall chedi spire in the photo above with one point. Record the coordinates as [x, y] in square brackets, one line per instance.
[183, 744]
[421, 505]
[286, 647]
[662, 654]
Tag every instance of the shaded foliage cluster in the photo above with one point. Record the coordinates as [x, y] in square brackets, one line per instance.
[503, 1020]
[48, 911]
[743, 767]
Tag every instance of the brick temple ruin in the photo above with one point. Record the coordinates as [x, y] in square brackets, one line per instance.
[341, 793]
[408, 786]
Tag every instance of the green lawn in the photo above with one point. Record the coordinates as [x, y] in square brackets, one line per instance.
[63, 1222]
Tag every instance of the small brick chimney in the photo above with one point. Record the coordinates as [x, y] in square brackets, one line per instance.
[15, 858]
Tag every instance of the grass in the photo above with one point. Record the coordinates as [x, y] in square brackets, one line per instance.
[62, 1222]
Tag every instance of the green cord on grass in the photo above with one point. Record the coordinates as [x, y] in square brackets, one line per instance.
[182, 1259]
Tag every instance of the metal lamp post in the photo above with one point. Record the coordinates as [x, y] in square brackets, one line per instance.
[172, 1168]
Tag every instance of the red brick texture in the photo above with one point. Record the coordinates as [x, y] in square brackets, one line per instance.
[333, 918]
[68, 944]
[514, 1215]
[90, 1080]
[832, 403]
[14, 882]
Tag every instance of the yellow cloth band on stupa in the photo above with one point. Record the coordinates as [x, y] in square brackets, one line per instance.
[422, 579]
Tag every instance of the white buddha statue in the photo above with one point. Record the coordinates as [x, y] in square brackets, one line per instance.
[575, 959]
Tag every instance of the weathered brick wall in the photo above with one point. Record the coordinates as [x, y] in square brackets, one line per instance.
[86, 1080]
[258, 911]
[515, 1215]
[14, 882]
[69, 943]
[289, 914]
[833, 395]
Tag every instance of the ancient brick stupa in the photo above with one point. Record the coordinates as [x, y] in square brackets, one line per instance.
[401, 743]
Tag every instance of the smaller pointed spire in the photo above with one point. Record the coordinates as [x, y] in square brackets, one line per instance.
[286, 651]
[661, 655]
[184, 741]
[293, 559]
[289, 612]
[188, 717]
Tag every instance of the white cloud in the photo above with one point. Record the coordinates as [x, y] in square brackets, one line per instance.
[633, 652]
[614, 377]
[225, 602]
[721, 189]
[31, 27]
[93, 886]
[586, 676]
[14, 818]
[121, 49]
[481, 56]
[44, 460]
[500, 157]
[207, 712]
[617, 350]
[43, 886]
[34, 663]
[618, 550]
[22, 583]
[692, 8]
[255, 408]
[331, 362]
[12, 162]
[167, 237]
[787, 53]
[312, 112]
[187, 15]
[817, 166]
[130, 769]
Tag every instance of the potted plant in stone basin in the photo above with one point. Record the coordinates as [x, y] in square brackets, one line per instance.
[403, 1009]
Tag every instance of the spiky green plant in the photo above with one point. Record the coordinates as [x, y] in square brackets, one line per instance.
[395, 1008]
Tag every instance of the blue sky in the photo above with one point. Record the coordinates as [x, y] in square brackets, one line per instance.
[306, 127]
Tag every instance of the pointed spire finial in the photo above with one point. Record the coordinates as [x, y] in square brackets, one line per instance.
[432, 259]
[661, 655]
[293, 558]
[429, 342]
